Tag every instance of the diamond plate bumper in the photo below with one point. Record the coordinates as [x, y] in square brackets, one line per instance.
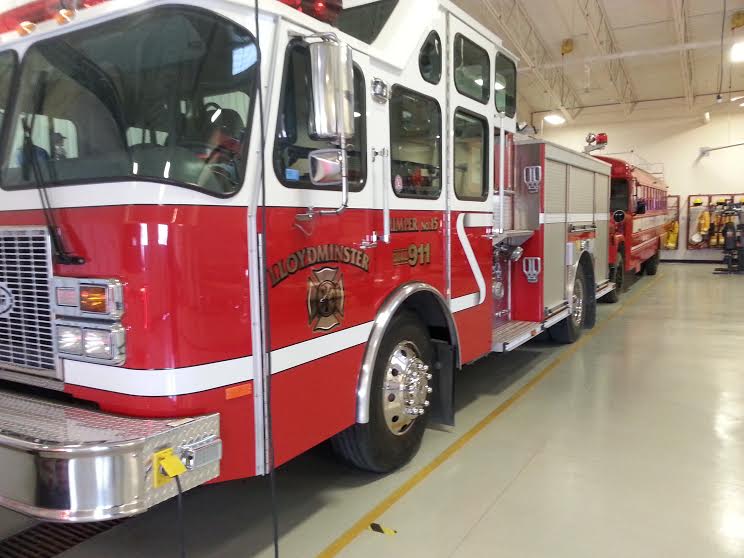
[65, 463]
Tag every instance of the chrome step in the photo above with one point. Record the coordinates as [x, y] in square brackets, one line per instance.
[604, 289]
[62, 462]
[511, 335]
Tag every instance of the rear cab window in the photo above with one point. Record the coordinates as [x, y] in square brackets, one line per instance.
[415, 144]
[472, 69]
[505, 86]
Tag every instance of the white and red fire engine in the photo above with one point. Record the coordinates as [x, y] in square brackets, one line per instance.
[221, 244]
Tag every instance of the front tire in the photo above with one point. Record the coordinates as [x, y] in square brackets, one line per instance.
[398, 401]
[569, 330]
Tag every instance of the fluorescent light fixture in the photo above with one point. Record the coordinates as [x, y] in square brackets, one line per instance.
[216, 115]
[737, 98]
[499, 84]
[737, 52]
[741, 104]
[357, 114]
[479, 81]
[555, 119]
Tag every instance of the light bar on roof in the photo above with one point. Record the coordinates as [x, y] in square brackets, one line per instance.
[38, 11]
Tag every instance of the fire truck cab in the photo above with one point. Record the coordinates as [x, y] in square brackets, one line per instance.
[638, 204]
[227, 236]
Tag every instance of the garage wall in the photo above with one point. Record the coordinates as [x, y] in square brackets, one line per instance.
[676, 144]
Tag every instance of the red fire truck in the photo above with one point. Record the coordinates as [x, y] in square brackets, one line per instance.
[227, 236]
[639, 222]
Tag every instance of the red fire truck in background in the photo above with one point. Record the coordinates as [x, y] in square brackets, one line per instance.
[639, 223]
[222, 244]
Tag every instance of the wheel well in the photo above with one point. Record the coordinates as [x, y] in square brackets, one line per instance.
[429, 310]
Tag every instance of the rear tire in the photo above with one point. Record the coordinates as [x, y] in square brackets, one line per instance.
[569, 330]
[617, 276]
[652, 265]
[393, 434]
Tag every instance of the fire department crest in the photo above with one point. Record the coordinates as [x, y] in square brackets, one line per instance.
[325, 298]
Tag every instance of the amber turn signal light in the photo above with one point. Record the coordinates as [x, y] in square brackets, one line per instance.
[93, 299]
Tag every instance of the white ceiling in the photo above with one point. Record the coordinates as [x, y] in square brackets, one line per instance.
[647, 41]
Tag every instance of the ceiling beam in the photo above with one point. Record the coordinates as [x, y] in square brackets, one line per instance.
[679, 9]
[601, 34]
[517, 28]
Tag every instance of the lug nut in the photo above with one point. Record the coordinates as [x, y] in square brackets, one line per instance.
[429, 389]
[428, 376]
[426, 403]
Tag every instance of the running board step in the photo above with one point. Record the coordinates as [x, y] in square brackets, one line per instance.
[61, 462]
[607, 288]
[511, 335]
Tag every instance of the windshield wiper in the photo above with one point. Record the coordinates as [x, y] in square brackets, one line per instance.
[31, 158]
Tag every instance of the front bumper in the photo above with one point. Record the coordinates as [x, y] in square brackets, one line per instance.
[61, 462]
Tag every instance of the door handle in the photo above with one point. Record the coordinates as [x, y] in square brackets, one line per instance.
[384, 153]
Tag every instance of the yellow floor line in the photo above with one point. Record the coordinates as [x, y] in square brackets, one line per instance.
[363, 523]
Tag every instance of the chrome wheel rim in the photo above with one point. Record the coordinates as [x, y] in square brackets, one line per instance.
[405, 388]
[578, 302]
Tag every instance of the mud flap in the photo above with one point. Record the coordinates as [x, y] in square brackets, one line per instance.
[443, 400]
[590, 319]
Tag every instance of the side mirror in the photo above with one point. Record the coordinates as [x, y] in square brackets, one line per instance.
[325, 167]
[332, 77]
[640, 207]
[618, 216]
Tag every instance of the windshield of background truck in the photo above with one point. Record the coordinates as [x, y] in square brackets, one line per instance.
[620, 196]
[165, 95]
[7, 69]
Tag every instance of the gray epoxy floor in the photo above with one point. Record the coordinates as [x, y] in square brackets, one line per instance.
[632, 445]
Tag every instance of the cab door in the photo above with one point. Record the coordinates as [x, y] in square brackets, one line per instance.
[319, 265]
[470, 198]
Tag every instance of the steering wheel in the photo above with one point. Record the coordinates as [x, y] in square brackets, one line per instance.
[211, 104]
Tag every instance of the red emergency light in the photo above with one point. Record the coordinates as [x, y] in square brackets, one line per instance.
[323, 10]
[23, 18]
[595, 141]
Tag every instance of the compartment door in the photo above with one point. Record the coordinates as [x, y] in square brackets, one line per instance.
[555, 227]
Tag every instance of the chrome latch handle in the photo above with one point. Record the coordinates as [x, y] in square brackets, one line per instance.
[369, 242]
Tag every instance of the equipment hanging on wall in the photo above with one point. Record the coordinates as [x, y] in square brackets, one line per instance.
[731, 231]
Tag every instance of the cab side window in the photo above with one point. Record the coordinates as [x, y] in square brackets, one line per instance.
[415, 144]
[471, 156]
[472, 70]
[430, 59]
[294, 140]
[505, 86]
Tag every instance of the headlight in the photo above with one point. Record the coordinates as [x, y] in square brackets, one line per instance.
[70, 340]
[97, 343]
[92, 342]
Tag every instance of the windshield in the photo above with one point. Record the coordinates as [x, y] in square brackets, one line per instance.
[162, 95]
[619, 198]
[7, 69]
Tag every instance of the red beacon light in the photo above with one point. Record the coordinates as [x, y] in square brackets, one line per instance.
[323, 10]
[595, 141]
[23, 19]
